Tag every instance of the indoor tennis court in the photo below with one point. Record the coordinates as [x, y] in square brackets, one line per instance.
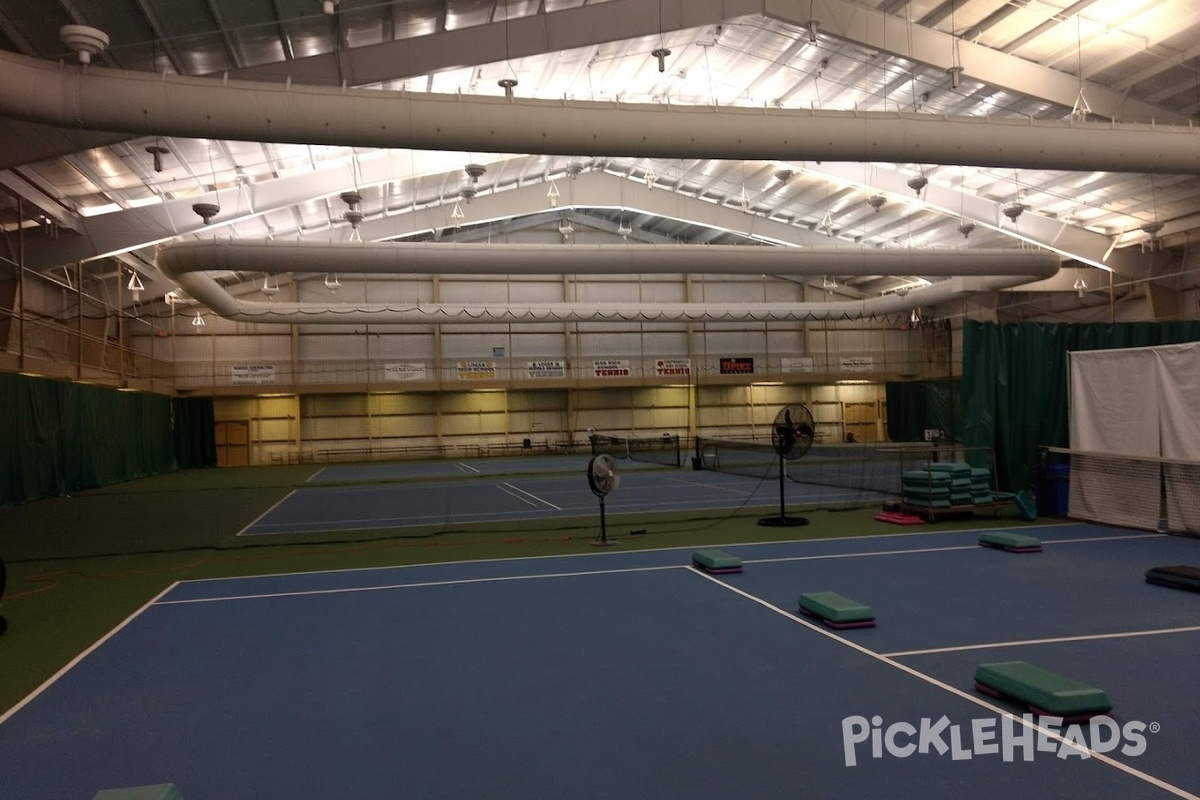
[665, 399]
[395, 496]
[627, 673]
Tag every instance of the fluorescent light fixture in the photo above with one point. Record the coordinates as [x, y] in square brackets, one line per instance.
[95, 211]
[141, 202]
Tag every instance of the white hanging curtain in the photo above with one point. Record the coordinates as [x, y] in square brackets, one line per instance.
[1113, 411]
[1179, 412]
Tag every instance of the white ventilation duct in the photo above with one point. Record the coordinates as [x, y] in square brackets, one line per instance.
[103, 99]
[402, 258]
[188, 265]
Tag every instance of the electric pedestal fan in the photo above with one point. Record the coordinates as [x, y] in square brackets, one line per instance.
[602, 479]
[791, 435]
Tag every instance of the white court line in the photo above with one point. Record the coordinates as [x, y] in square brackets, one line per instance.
[422, 585]
[276, 505]
[464, 466]
[534, 496]
[604, 553]
[1022, 642]
[525, 500]
[1082, 540]
[49, 681]
[784, 559]
[279, 502]
[1112, 762]
[617, 571]
[720, 486]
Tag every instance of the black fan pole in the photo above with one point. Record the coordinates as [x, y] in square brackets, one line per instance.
[603, 524]
[782, 504]
[783, 520]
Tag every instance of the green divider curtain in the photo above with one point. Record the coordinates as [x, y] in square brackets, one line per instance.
[916, 406]
[195, 438]
[1014, 385]
[61, 437]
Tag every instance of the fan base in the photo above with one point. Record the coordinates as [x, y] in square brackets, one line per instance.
[782, 522]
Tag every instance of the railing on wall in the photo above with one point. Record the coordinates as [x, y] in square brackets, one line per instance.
[58, 349]
[465, 374]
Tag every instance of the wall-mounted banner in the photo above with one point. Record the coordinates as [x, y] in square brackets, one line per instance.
[252, 374]
[410, 371]
[857, 363]
[610, 368]
[737, 366]
[802, 364]
[477, 370]
[673, 366]
[546, 369]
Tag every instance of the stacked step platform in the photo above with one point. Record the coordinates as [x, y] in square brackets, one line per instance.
[947, 487]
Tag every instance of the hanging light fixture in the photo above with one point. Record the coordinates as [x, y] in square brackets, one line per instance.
[332, 283]
[876, 201]
[828, 283]
[661, 54]
[457, 215]
[826, 225]
[270, 286]
[157, 151]
[1080, 287]
[965, 227]
[206, 211]
[649, 177]
[135, 286]
[1016, 208]
[475, 172]
[553, 194]
[198, 321]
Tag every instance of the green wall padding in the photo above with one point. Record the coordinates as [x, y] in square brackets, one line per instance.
[1014, 384]
[195, 432]
[916, 406]
[62, 437]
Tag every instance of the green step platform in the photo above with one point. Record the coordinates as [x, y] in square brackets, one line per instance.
[1012, 542]
[836, 611]
[716, 562]
[161, 791]
[1045, 693]
[1177, 577]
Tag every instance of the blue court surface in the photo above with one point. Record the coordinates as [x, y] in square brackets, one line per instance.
[632, 675]
[413, 494]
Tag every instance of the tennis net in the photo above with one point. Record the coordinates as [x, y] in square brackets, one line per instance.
[1145, 492]
[663, 449]
[871, 471]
